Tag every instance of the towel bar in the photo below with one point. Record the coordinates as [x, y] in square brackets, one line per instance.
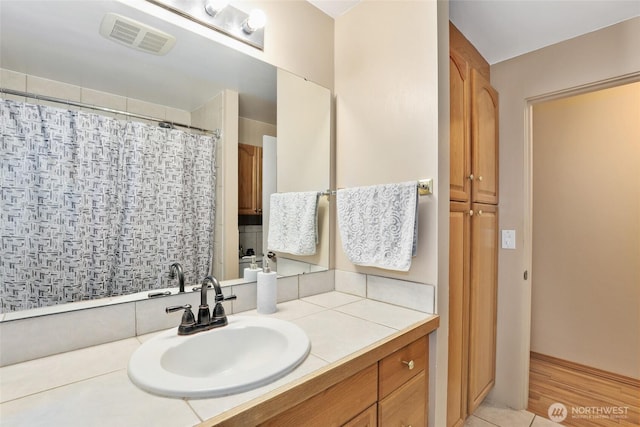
[425, 187]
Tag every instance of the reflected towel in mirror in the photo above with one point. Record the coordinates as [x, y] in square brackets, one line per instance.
[378, 224]
[293, 223]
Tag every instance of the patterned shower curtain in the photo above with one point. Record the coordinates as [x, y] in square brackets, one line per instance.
[93, 207]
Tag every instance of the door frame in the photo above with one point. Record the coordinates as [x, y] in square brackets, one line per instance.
[528, 207]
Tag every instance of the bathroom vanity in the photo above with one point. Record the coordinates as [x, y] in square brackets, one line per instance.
[383, 384]
[368, 365]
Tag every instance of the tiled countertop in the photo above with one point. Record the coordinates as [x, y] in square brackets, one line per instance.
[91, 387]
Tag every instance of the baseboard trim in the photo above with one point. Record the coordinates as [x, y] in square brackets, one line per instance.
[582, 388]
[612, 376]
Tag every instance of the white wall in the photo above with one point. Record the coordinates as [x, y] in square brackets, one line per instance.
[585, 60]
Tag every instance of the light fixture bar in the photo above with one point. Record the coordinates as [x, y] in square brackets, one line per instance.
[229, 21]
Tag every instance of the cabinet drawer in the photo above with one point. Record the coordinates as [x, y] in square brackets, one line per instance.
[368, 418]
[401, 365]
[335, 405]
[407, 406]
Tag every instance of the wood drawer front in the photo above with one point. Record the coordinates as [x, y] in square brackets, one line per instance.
[393, 372]
[334, 406]
[368, 418]
[406, 406]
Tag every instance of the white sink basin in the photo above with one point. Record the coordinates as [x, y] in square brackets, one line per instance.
[247, 353]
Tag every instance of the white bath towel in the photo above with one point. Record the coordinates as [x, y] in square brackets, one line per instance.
[379, 224]
[293, 223]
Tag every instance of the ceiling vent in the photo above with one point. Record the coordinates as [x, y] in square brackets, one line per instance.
[135, 34]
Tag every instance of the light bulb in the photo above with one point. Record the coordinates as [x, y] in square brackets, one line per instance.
[213, 7]
[256, 20]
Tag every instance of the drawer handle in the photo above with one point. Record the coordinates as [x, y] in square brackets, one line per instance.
[410, 364]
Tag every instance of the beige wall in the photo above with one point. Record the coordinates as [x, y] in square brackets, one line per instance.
[586, 229]
[387, 112]
[387, 103]
[251, 131]
[585, 60]
[304, 150]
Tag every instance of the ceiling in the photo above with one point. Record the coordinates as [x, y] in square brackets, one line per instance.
[59, 40]
[503, 29]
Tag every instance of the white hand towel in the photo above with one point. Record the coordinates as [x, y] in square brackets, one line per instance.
[293, 223]
[379, 224]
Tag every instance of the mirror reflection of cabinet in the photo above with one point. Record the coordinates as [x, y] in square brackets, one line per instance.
[249, 180]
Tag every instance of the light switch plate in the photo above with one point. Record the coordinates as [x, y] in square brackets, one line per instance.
[508, 239]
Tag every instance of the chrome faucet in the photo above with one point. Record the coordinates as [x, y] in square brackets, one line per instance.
[206, 319]
[174, 269]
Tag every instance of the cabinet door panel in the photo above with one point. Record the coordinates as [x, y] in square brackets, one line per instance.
[406, 406]
[368, 418]
[249, 179]
[459, 229]
[482, 303]
[484, 137]
[334, 406]
[459, 145]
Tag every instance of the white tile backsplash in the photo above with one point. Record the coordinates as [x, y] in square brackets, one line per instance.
[417, 296]
[246, 296]
[37, 337]
[287, 288]
[316, 283]
[351, 283]
[151, 315]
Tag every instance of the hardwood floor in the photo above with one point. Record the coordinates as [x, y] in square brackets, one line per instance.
[592, 397]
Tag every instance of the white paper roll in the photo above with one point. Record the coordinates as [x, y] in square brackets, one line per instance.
[267, 292]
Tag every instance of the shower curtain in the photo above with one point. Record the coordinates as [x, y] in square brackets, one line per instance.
[93, 207]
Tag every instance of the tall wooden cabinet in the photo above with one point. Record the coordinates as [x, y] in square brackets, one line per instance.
[473, 230]
[249, 180]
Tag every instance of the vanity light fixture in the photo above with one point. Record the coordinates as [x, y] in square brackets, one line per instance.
[220, 16]
[256, 20]
[213, 7]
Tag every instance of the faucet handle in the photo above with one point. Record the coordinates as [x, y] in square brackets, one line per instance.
[221, 297]
[177, 307]
[188, 319]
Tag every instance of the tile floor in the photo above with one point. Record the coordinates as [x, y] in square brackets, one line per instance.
[492, 415]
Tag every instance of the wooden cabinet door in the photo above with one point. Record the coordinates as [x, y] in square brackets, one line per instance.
[484, 137]
[482, 303]
[460, 118]
[334, 406]
[407, 406]
[249, 180]
[459, 229]
[368, 418]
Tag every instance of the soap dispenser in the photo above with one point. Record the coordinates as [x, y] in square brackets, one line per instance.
[251, 274]
[267, 289]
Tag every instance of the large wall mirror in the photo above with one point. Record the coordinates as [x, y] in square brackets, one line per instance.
[55, 48]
